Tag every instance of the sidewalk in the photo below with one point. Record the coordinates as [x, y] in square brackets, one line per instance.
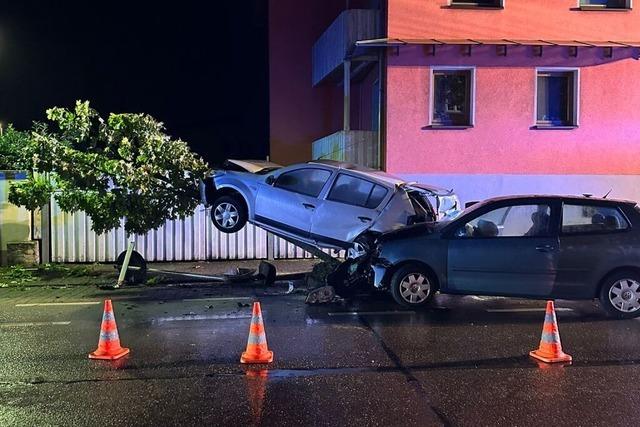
[217, 268]
[160, 273]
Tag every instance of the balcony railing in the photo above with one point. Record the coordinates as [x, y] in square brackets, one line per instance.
[339, 39]
[353, 146]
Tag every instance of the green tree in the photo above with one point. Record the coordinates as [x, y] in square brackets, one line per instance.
[124, 166]
[13, 144]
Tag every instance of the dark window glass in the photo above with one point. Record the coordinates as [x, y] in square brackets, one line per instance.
[304, 181]
[478, 3]
[510, 221]
[591, 219]
[451, 98]
[611, 4]
[555, 99]
[355, 191]
[377, 195]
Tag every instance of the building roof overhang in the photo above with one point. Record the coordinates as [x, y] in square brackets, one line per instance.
[396, 42]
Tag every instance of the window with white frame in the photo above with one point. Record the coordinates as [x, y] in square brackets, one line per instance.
[557, 98]
[452, 97]
[478, 3]
[605, 4]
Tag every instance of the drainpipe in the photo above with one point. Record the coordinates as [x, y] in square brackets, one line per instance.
[347, 96]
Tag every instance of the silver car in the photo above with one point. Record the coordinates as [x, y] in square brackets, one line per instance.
[326, 203]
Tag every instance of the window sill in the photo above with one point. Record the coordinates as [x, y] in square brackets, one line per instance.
[472, 6]
[551, 127]
[601, 9]
[446, 127]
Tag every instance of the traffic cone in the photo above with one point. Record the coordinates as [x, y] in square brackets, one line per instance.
[550, 350]
[257, 349]
[109, 343]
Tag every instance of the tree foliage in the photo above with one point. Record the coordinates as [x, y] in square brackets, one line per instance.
[124, 166]
[13, 144]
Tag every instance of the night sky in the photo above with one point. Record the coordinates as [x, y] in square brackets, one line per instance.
[200, 67]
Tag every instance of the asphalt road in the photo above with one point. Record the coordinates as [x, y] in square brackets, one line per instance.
[463, 362]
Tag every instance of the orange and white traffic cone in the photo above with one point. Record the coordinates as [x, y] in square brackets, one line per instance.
[257, 349]
[109, 343]
[550, 350]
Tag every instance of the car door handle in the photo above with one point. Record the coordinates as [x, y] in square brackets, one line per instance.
[545, 248]
[308, 206]
[364, 218]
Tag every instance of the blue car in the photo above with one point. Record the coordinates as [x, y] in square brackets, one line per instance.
[542, 247]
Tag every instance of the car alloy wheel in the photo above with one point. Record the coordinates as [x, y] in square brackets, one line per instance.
[624, 295]
[415, 288]
[226, 215]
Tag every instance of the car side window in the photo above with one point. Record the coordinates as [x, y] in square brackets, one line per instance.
[358, 192]
[591, 219]
[510, 221]
[304, 181]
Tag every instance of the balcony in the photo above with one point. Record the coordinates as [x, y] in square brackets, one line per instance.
[338, 41]
[353, 146]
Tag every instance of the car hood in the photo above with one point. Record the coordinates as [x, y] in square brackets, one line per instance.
[411, 230]
[254, 166]
[431, 189]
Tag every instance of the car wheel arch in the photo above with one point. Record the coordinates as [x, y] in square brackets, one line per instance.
[390, 272]
[231, 192]
[615, 271]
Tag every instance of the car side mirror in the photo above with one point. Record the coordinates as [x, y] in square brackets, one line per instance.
[270, 180]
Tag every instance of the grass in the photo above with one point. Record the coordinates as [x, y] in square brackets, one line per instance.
[47, 274]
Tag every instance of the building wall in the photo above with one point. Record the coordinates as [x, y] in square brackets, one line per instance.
[502, 153]
[539, 19]
[300, 113]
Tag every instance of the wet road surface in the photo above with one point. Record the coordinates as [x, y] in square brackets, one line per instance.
[366, 362]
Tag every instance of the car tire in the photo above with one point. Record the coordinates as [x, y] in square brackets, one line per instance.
[412, 286]
[137, 276]
[620, 295]
[229, 214]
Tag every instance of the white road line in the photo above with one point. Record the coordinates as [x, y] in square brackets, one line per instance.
[369, 313]
[218, 299]
[27, 324]
[200, 317]
[523, 310]
[46, 304]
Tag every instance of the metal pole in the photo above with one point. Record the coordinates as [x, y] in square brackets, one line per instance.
[125, 264]
[347, 96]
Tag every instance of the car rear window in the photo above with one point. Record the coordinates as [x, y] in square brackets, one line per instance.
[577, 219]
[358, 192]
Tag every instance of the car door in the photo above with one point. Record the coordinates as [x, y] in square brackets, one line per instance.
[289, 202]
[592, 242]
[509, 249]
[352, 205]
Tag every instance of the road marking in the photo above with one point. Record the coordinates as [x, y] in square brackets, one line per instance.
[27, 324]
[200, 317]
[523, 310]
[218, 299]
[368, 313]
[45, 304]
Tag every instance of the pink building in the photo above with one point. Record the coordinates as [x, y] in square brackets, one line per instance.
[488, 97]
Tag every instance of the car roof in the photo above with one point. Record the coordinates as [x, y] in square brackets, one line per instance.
[362, 170]
[583, 198]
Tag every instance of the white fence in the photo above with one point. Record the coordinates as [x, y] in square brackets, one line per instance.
[192, 239]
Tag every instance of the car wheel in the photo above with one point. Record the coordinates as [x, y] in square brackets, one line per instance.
[620, 295]
[412, 286]
[229, 214]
